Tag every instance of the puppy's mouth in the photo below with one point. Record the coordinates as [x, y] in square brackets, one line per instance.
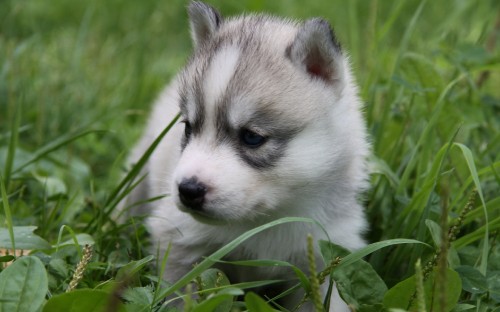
[206, 218]
[202, 216]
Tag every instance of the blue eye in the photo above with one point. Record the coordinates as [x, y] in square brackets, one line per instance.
[187, 129]
[251, 139]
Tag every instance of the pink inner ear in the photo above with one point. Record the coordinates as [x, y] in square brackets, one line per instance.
[316, 70]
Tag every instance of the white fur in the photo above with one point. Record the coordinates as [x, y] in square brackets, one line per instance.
[219, 73]
[319, 176]
[219, 175]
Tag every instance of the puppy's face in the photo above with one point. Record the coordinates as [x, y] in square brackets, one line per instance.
[257, 136]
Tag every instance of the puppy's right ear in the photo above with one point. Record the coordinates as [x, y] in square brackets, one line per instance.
[204, 21]
[317, 51]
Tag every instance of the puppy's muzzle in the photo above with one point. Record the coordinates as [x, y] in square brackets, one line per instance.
[192, 193]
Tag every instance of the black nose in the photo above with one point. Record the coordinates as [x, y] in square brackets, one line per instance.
[192, 193]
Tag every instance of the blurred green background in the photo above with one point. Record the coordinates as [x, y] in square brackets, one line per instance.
[101, 63]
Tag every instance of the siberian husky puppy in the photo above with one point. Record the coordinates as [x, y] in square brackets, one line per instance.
[271, 126]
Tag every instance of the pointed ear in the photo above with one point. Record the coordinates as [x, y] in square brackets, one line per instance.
[316, 50]
[204, 21]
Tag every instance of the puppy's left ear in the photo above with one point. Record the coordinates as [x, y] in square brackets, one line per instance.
[204, 21]
[316, 50]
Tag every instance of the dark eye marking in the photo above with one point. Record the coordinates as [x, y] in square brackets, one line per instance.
[252, 139]
[188, 130]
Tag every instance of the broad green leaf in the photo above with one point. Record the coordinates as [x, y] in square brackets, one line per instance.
[133, 307]
[24, 237]
[138, 299]
[139, 295]
[59, 267]
[257, 304]
[220, 301]
[464, 307]
[84, 300]
[52, 186]
[494, 285]
[210, 282]
[398, 297]
[362, 252]
[213, 278]
[7, 258]
[359, 254]
[371, 308]
[472, 280]
[23, 285]
[358, 283]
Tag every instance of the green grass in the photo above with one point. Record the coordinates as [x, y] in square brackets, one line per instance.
[77, 80]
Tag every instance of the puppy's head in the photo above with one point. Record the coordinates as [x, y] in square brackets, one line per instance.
[259, 101]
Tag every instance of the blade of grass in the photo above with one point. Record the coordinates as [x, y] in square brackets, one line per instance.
[489, 170]
[8, 214]
[136, 169]
[378, 43]
[72, 235]
[472, 168]
[491, 207]
[128, 189]
[56, 144]
[363, 252]
[272, 263]
[80, 38]
[213, 258]
[160, 276]
[403, 47]
[244, 285]
[353, 257]
[11, 152]
[430, 184]
[424, 137]
[420, 200]
[469, 238]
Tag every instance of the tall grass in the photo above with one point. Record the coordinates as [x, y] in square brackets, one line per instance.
[76, 83]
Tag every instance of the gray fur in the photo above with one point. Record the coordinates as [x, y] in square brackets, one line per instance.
[204, 21]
